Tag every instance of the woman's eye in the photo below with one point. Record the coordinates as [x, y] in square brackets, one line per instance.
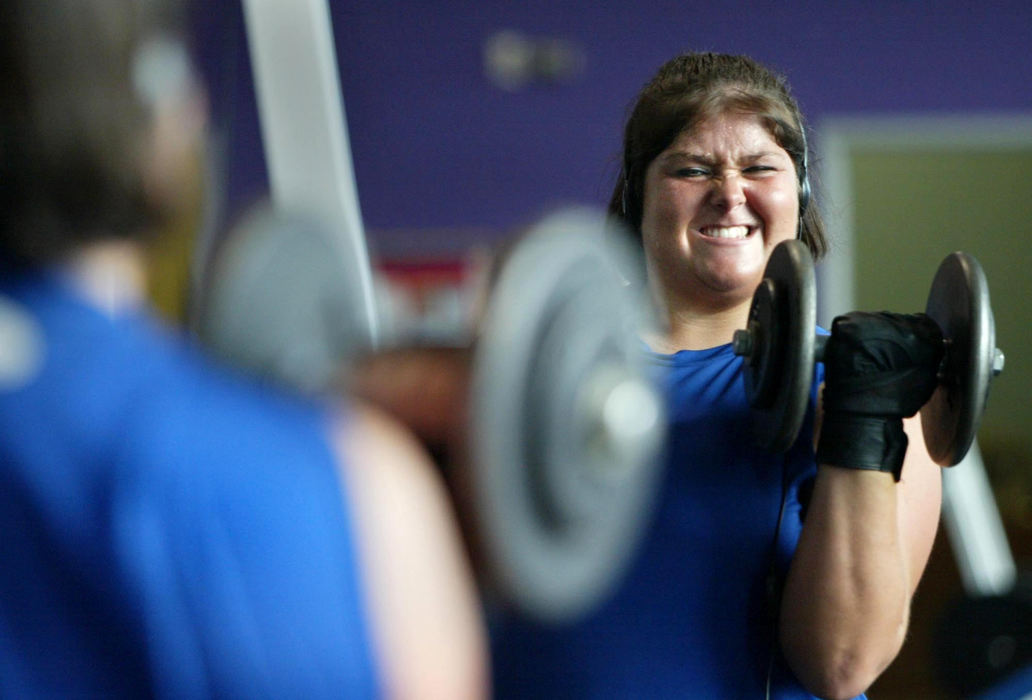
[692, 172]
[763, 170]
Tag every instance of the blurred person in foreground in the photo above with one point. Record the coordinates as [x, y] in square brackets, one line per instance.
[173, 528]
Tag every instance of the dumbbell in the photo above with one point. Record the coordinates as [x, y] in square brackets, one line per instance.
[564, 424]
[780, 348]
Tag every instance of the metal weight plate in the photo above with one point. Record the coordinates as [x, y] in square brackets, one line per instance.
[278, 301]
[764, 364]
[959, 302]
[779, 346]
[566, 426]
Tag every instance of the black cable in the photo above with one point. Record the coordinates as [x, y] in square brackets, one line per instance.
[773, 583]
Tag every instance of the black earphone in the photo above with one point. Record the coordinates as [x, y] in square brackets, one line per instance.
[804, 176]
[623, 193]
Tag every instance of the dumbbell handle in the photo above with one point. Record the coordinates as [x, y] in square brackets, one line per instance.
[820, 344]
[779, 356]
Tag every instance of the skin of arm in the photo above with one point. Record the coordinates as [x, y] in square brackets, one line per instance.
[862, 551]
[425, 616]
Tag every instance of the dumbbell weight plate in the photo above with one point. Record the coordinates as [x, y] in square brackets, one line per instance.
[778, 370]
[559, 502]
[959, 302]
[280, 301]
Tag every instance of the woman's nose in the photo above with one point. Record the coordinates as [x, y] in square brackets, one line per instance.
[727, 192]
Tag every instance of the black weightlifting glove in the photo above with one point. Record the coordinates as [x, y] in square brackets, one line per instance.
[879, 368]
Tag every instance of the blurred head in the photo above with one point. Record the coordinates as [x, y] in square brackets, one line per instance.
[701, 87]
[99, 116]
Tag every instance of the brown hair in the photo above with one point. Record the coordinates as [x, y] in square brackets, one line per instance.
[692, 87]
[72, 125]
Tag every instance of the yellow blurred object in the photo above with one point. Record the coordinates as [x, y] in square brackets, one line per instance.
[171, 252]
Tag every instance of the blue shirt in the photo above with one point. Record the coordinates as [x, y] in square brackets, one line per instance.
[694, 617]
[169, 529]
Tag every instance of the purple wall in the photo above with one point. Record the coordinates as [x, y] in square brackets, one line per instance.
[437, 146]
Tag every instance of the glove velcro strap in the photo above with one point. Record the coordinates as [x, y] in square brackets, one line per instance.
[862, 442]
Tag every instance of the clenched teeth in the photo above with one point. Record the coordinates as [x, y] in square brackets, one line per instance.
[725, 231]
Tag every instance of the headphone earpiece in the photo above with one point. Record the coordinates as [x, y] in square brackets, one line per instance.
[804, 182]
[804, 174]
[804, 192]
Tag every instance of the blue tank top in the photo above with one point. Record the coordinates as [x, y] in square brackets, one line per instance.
[169, 529]
[694, 615]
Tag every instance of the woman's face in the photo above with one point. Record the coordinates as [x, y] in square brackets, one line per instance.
[716, 202]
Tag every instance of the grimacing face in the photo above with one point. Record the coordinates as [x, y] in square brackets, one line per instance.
[715, 204]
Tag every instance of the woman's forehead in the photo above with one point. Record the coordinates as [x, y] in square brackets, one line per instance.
[735, 131]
